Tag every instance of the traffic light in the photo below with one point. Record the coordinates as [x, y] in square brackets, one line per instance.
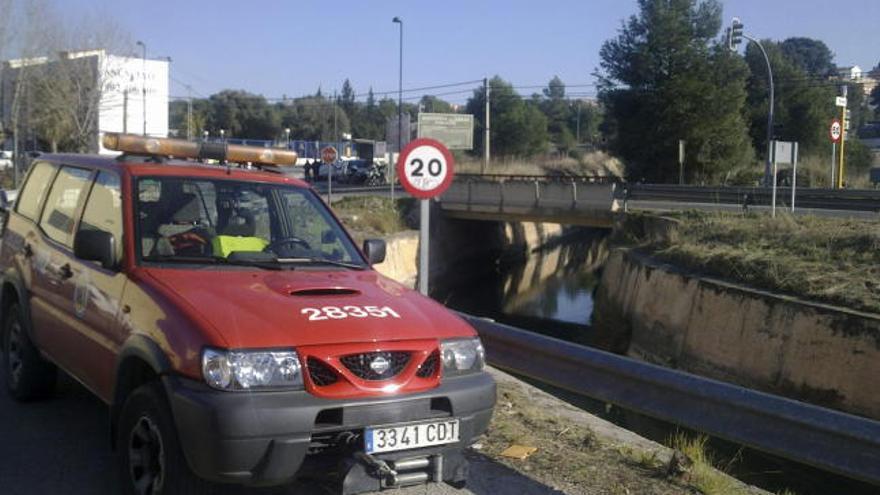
[734, 33]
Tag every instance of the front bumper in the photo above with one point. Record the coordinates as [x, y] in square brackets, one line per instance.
[264, 438]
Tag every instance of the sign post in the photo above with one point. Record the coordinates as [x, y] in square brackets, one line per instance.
[328, 156]
[840, 101]
[681, 161]
[425, 168]
[835, 132]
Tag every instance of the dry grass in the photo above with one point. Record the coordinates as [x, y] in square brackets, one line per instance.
[824, 259]
[705, 474]
[570, 455]
[373, 216]
[596, 163]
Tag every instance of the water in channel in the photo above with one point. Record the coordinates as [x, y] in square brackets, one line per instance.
[549, 289]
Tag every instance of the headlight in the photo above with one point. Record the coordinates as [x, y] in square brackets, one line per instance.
[251, 370]
[462, 355]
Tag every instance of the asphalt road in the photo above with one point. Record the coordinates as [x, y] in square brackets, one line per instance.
[61, 445]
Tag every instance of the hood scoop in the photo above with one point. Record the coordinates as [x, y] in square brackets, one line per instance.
[325, 291]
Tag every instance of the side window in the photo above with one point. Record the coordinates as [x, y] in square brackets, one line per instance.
[58, 215]
[103, 209]
[33, 191]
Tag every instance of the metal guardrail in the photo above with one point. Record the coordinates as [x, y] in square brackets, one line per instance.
[831, 199]
[824, 438]
[593, 179]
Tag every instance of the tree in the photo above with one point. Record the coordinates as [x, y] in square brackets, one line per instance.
[556, 108]
[244, 115]
[664, 78]
[810, 56]
[519, 128]
[875, 101]
[347, 98]
[430, 103]
[802, 106]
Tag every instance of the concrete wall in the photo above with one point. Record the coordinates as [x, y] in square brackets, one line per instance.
[813, 352]
[401, 258]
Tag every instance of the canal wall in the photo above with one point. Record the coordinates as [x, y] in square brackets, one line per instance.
[455, 243]
[818, 353]
[401, 258]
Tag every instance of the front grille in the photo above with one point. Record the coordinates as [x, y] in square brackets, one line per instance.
[429, 367]
[321, 374]
[368, 365]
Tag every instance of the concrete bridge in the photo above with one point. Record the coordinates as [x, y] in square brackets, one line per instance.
[586, 201]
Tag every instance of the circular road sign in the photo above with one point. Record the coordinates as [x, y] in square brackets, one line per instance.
[425, 168]
[835, 130]
[328, 154]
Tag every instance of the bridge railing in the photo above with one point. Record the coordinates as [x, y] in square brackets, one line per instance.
[532, 195]
[820, 437]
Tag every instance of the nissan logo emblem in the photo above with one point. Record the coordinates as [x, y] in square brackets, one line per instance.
[379, 365]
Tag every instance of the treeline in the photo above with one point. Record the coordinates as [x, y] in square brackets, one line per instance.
[669, 75]
[521, 126]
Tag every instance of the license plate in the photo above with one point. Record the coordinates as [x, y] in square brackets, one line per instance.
[410, 436]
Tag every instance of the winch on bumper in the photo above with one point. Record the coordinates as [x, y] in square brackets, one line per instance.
[271, 438]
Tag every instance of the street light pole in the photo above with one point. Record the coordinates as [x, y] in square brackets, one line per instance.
[392, 167]
[767, 164]
[144, 83]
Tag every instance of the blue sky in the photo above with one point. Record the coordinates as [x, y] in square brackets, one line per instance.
[291, 47]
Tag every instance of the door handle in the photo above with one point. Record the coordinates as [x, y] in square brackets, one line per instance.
[65, 271]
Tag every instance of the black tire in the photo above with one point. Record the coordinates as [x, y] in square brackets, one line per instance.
[28, 375]
[150, 460]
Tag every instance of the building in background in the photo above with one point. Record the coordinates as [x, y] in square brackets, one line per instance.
[66, 102]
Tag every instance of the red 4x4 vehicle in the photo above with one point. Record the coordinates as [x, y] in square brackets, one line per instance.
[231, 325]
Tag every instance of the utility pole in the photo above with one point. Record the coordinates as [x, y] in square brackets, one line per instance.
[125, 111]
[844, 123]
[578, 126]
[189, 112]
[144, 83]
[486, 133]
[392, 167]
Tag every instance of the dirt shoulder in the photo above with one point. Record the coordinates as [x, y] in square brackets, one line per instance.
[578, 453]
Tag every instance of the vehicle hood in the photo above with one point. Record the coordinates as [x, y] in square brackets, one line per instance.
[260, 308]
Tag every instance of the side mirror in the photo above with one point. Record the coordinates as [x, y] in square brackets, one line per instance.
[375, 250]
[95, 245]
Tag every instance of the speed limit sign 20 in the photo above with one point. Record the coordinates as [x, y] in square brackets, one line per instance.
[425, 168]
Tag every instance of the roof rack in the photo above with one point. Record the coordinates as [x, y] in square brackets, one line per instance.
[160, 149]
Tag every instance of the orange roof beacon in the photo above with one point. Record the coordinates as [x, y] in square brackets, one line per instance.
[229, 321]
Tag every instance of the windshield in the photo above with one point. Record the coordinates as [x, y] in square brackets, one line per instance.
[197, 220]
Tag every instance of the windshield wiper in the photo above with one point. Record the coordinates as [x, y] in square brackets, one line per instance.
[323, 261]
[206, 260]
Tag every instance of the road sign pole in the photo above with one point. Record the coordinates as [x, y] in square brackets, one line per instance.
[426, 168]
[773, 160]
[794, 175]
[833, 159]
[841, 171]
[681, 161]
[424, 240]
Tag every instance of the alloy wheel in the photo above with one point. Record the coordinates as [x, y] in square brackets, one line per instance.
[146, 457]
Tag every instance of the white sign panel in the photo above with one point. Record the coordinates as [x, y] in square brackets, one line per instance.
[840, 101]
[456, 131]
[783, 152]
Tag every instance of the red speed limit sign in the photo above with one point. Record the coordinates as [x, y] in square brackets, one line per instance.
[425, 168]
[834, 131]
